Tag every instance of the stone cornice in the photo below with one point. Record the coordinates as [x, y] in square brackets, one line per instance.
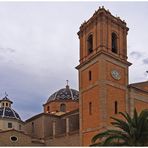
[102, 14]
[105, 53]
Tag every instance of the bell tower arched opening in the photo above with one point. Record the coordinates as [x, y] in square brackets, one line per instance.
[114, 43]
[90, 44]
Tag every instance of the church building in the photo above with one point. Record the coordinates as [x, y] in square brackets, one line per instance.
[71, 117]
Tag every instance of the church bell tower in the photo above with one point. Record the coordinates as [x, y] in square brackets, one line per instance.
[103, 72]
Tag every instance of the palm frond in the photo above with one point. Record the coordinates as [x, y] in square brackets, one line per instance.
[129, 131]
[114, 139]
[121, 124]
[99, 136]
[126, 116]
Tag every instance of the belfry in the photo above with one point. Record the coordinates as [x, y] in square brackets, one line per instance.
[103, 73]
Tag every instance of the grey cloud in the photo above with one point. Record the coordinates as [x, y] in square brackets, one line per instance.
[28, 90]
[145, 61]
[10, 50]
[135, 54]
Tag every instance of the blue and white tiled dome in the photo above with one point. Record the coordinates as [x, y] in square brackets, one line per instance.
[65, 94]
[7, 112]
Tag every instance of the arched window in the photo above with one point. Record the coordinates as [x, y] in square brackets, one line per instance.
[116, 107]
[48, 109]
[90, 108]
[90, 44]
[63, 108]
[114, 43]
[32, 127]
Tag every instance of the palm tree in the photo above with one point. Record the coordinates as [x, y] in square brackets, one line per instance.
[131, 131]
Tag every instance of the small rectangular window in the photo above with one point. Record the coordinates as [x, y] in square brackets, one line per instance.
[9, 125]
[90, 108]
[90, 77]
[116, 107]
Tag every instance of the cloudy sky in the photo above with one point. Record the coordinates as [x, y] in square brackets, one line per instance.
[39, 47]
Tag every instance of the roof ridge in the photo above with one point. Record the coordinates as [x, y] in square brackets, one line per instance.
[3, 112]
[72, 97]
[138, 83]
[14, 113]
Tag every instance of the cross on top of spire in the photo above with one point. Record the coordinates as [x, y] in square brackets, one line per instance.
[6, 95]
[67, 81]
[67, 86]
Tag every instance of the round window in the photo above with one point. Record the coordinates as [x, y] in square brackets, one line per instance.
[13, 138]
